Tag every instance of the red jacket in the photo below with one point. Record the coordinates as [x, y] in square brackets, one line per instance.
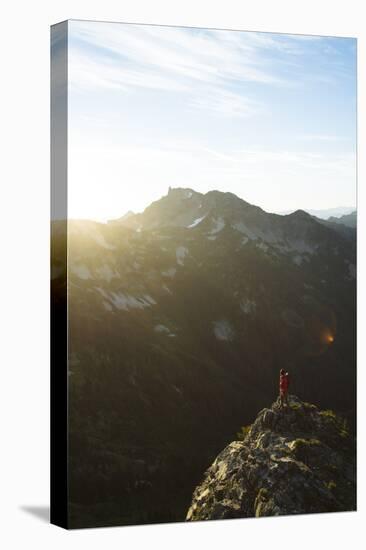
[284, 382]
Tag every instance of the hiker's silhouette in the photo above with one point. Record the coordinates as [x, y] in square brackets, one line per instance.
[284, 385]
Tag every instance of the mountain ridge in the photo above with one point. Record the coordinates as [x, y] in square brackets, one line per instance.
[325, 213]
[349, 220]
[186, 209]
[336, 212]
[177, 331]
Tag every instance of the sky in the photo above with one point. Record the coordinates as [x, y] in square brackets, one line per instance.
[269, 117]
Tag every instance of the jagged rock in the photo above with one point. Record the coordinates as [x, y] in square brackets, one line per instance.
[292, 461]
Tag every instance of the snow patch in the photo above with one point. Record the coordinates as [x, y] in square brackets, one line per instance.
[169, 272]
[242, 228]
[81, 271]
[269, 236]
[223, 330]
[124, 301]
[105, 272]
[297, 245]
[298, 259]
[248, 306]
[162, 329]
[301, 246]
[218, 225]
[262, 246]
[196, 222]
[180, 253]
[148, 299]
[102, 242]
[212, 238]
[107, 306]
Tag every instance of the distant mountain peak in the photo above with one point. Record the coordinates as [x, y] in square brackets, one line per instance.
[216, 212]
[349, 220]
[128, 215]
[182, 192]
[324, 213]
[301, 214]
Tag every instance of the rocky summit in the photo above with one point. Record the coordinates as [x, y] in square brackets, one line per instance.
[294, 460]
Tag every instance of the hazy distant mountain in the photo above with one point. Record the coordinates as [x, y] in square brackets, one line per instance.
[179, 319]
[126, 216]
[349, 219]
[327, 212]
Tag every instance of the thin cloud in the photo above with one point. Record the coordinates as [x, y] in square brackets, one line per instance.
[321, 137]
[86, 73]
[128, 56]
[227, 103]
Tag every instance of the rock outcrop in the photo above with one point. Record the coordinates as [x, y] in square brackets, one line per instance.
[294, 460]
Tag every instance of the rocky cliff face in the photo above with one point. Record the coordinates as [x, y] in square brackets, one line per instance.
[292, 461]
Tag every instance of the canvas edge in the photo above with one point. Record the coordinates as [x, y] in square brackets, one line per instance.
[58, 302]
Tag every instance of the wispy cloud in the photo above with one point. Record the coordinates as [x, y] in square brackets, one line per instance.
[87, 73]
[227, 103]
[206, 65]
[193, 54]
[321, 137]
[215, 69]
[274, 159]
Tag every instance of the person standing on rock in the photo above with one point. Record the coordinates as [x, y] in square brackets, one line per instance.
[284, 385]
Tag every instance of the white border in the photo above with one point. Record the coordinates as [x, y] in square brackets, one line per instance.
[24, 401]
